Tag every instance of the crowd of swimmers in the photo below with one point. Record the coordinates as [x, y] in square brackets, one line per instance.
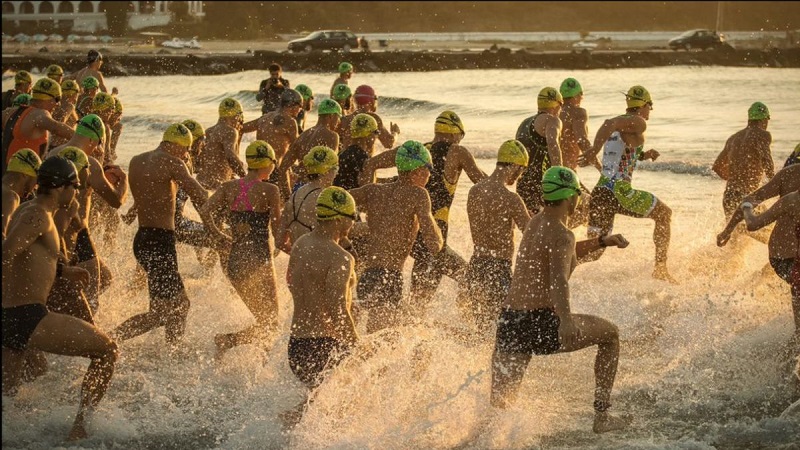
[314, 192]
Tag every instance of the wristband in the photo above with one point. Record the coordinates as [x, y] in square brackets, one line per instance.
[59, 269]
[747, 205]
[600, 242]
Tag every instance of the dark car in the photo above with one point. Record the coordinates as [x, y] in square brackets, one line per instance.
[702, 39]
[325, 40]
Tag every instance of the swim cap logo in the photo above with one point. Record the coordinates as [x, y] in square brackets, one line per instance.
[182, 129]
[261, 151]
[362, 122]
[638, 92]
[27, 158]
[71, 155]
[565, 176]
[190, 126]
[320, 156]
[339, 198]
[229, 103]
[571, 84]
[45, 84]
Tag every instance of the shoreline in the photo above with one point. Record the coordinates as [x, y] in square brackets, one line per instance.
[162, 61]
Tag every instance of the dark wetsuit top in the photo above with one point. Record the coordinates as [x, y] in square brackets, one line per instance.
[8, 98]
[529, 186]
[250, 230]
[351, 163]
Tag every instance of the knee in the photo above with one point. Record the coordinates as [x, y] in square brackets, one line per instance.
[664, 214]
[612, 334]
[110, 352]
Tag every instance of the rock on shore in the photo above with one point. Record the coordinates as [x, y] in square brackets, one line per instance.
[404, 61]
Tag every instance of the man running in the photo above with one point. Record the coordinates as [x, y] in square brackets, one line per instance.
[396, 212]
[746, 159]
[345, 73]
[278, 128]
[153, 179]
[493, 211]
[32, 247]
[220, 158]
[536, 318]
[343, 95]
[622, 141]
[90, 87]
[94, 60]
[19, 182]
[540, 134]
[363, 133]
[574, 129]
[367, 103]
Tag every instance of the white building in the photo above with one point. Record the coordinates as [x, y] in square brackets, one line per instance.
[89, 16]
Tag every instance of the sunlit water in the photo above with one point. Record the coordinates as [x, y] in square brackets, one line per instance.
[702, 364]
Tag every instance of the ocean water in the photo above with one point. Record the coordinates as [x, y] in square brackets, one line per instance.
[702, 365]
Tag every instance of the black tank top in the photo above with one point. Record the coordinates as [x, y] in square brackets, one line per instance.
[255, 225]
[529, 186]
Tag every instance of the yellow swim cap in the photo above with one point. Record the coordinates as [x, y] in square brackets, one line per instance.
[335, 203]
[195, 127]
[259, 154]
[46, 89]
[76, 155]
[24, 161]
[102, 102]
[363, 125]
[23, 76]
[54, 70]
[320, 159]
[549, 98]
[178, 134]
[70, 87]
[637, 97]
[448, 122]
[513, 152]
[230, 107]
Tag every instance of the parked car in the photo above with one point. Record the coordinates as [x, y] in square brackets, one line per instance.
[325, 40]
[702, 39]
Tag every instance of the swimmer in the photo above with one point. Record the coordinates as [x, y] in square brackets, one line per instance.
[220, 158]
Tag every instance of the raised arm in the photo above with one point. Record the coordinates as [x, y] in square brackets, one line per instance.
[552, 132]
[467, 162]
[292, 155]
[380, 161]
[788, 204]
[251, 126]
[387, 137]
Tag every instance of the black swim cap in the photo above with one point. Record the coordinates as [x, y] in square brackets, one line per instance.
[93, 56]
[56, 172]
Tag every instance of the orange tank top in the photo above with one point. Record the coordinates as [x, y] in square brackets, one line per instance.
[18, 142]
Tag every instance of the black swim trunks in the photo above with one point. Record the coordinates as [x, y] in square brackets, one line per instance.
[309, 357]
[154, 249]
[84, 247]
[19, 323]
[783, 268]
[528, 332]
[380, 287]
[489, 278]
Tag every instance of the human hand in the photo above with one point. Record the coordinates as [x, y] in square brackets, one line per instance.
[77, 275]
[394, 128]
[615, 240]
[652, 155]
[114, 91]
[723, 238]
[569, 333]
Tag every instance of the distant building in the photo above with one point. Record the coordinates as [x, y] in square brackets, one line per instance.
[89, 16]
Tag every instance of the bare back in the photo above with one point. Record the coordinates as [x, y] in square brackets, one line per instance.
[279, 130]
[748, 152]
[216, 165]
[574, 133]
[493, 212]
[152, 183]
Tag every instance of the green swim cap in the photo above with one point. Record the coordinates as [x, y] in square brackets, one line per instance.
[92, 127]
[570, 88]
[329, 106]
[758, 111]
[305, 91]
[345, 67]
[411, 156]
[21, 99]
[90, 83]
[559, 183]
[342, 92]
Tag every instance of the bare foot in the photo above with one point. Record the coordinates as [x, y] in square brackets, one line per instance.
[605, 422]
[661, 273]
[221, 344]
[292, 417]
[78, 432]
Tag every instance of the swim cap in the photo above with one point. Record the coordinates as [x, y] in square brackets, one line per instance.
[46, 89]
[560, 183]
[54, 70]
[513, 152]
[230, 107]
[365, 94]
[194, 126]
[345, 67]
[411, 156]
[102, 102]
[341, 92]
[549, 98]
[329, 106]
[90, 83]
[570, 88]
[448, 122]
[305, 91]
[24, 161]
[320, 159]
[93, 56]
[758, 111]
[117, 105]
[92, 127]
[637, 97]
[178, 134]
[259, 154]
[70, 86]
[291, 97]
[76, 155]
[57, 171]
[23, 76]
[21, 99]
[363, 125]
[334, 203]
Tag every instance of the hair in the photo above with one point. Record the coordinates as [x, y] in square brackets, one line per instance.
[275, 67]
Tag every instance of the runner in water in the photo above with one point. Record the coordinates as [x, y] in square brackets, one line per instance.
[344, 97]
[65, 111]
[90, 87]
[278, 128]
[363, 133]
[308, 105]
[345, 73]
[367, 103]
[23, 84]
[220, 158]
[19, 182]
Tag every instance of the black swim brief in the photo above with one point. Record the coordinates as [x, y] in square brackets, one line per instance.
[154, 249]
[84, 247]
[19, 323]
[309, 357]
[528, 332]
[380, 287]
[783, 268]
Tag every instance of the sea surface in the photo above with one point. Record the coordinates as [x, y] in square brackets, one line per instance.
[703, 365]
